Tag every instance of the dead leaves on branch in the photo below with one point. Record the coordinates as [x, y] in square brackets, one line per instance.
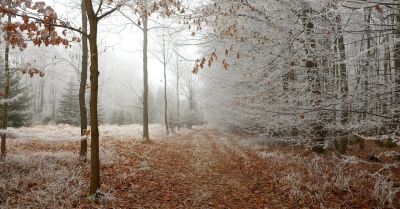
[168, 7]
[215, 16]
[33, 71]
[40, 29]
[165, 8]
[200, 64]
[28, 69]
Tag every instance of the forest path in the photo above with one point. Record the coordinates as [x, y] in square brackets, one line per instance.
[192, 169]
[200, 169]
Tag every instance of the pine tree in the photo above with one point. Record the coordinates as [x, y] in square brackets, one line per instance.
[19, 105]
[68, 110]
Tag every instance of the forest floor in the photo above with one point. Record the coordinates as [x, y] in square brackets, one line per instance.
[198, 169]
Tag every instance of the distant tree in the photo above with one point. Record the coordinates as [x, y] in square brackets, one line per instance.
[178, 75]
[164, 56]
[114, 117]
[19, 101]
[118, 117]
[101, 113]
[192, 115]
[121, 118]
[145, 8]
[68, 112]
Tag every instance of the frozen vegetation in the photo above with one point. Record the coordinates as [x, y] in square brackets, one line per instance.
[241, 104]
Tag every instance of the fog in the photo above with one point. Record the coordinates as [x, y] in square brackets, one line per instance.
[120, 60]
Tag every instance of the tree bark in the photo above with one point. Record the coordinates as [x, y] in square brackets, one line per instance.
[177, 93]
[6, 95]
[94, 80]
[344, 86]
[314, 77]
[367, 65]
[82, 87]
[146, 136]
[165, 88]
[386, 72]
[41, 94]
[396, 118]
[54, 101]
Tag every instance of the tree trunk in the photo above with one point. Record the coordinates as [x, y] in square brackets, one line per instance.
[191, 108]
[41, 94]
[54, 101]
[171, 124]
[146, 136]
[82, 87]
[344, 86]
[314, 77]
[6, 96]
[165, 92]
[366, 68]
[94, 84]
[177, 94]
[386, 72]
[396, 118]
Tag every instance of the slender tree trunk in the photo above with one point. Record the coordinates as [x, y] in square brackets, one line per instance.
[6, 96]
[344, 86]
[386, 72]
[177, 93]
[396, 118]
[171, 125]
[94, 74]
[165, 94]
[366, 67]
[146, 136]
[94, 85]
[164, 53]
[82, 87]
[54, 101]
[41, 94]
[191, 107]
[336, 86]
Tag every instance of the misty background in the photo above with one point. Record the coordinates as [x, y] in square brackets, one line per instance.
[121, 84]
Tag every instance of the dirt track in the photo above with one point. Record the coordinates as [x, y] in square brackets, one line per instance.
[197, 170]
